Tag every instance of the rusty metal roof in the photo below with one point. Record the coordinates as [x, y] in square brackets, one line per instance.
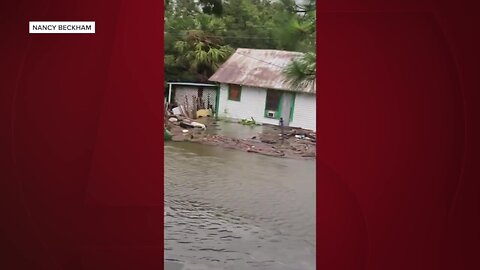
[259, 68]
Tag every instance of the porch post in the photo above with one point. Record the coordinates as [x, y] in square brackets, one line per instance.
[217, 101]
[169, 93]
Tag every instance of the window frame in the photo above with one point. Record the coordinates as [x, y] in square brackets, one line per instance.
[278, 111]
[239, 92]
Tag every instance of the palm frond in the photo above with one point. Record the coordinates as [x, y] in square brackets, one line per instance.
[301, 72]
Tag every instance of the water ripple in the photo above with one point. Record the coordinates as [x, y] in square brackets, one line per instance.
[226, 209]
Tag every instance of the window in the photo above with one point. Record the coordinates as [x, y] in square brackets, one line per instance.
[272, 104]
[234, 92]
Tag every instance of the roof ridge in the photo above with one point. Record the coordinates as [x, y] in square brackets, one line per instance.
[261, 68]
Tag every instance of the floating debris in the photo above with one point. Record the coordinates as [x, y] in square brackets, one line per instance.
[295, 142]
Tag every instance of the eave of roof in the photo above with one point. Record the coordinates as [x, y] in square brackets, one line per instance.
[259, 68]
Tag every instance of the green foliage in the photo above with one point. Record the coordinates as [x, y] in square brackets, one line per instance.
[301, 72]
[249, 122]
[212, 7]
[201, 53]
[201, 35]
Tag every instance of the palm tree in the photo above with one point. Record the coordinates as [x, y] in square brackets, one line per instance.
[301, 73]
[300, 35]
[202, 53]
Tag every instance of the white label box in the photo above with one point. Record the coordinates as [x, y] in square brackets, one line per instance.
[61, 27]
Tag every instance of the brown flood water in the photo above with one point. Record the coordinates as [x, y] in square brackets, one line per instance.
[228, 209]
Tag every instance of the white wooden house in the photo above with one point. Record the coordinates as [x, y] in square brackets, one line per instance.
[252, 84]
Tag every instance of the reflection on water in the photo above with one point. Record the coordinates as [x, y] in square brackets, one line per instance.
[226, 209]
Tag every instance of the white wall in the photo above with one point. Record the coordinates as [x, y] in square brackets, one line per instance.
[305, 111]
[252, 104]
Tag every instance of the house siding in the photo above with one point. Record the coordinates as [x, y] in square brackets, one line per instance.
[304, 113]
[252, 104]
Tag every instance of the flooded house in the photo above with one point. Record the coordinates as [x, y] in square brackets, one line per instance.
[253, 85]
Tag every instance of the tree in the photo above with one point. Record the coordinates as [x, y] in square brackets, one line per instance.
[301, 73]
[202, 53]
[300, 34]
[200, 35]
[194, 47]
[214, 7]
